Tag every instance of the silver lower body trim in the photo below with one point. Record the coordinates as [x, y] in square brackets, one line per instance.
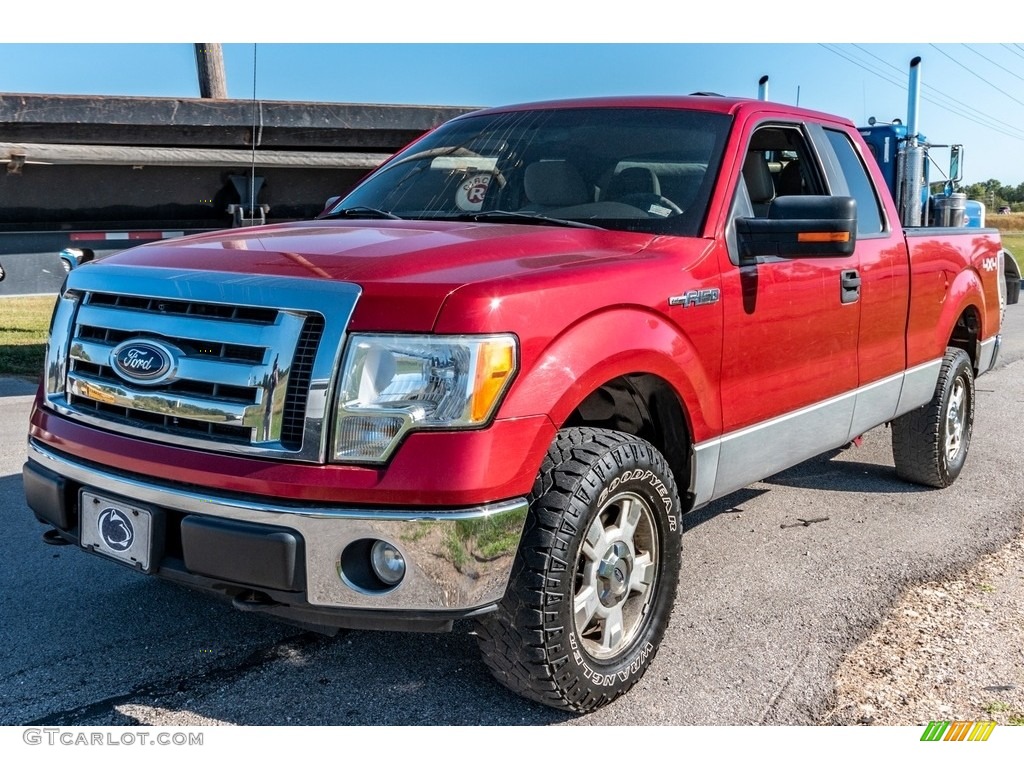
[730, 462]
[456, 560]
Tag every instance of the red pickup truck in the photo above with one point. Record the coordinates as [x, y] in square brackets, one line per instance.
[488, 383]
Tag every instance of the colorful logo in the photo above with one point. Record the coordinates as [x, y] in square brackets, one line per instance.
[958, 730]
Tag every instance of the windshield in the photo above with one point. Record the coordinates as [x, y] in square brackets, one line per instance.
[648, 170]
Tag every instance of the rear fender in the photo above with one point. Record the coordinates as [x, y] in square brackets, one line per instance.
[967, 298]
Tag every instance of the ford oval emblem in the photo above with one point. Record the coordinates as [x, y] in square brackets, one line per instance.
[144, 362]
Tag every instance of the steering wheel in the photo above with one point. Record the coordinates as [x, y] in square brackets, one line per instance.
[647, 200]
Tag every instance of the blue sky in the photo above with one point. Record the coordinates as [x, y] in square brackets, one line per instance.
[973, 92]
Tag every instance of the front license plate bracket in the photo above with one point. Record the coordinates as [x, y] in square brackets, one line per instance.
[121, 530]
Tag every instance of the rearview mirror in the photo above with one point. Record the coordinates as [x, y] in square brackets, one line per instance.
[330, 204]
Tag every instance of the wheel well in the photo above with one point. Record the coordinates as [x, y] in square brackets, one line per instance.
[646, 406]
[966, 334]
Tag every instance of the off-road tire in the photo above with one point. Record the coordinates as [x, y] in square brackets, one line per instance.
[929, 444]
[592, 586]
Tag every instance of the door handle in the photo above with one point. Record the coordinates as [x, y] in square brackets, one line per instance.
[849, 286]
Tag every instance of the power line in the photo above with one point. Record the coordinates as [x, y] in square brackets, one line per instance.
[862, 65]
[976, 52]
[939, 98]
[968, 69]
[935, 96]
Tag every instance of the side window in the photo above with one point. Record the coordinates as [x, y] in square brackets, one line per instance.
[778, 163]
[869, 213]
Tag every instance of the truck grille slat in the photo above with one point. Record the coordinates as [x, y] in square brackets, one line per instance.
[293, 423]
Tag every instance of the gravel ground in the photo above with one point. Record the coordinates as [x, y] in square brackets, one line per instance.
[950, 650]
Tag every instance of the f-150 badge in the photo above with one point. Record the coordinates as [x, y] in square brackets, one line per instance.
[694, 298]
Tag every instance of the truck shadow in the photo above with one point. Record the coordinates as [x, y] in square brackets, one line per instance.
[827, 472]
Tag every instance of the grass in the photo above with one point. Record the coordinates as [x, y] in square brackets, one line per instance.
[1011, 231]
[1006, 222]
[1014, 244]
[24, 323]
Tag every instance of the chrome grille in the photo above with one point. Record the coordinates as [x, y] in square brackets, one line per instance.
[245, 377]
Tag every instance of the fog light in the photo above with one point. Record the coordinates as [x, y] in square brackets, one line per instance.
[388, 563]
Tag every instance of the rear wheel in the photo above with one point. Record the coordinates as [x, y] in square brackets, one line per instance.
[595, 576]
[929, 445]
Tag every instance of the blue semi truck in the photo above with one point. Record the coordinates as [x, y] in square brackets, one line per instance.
[903, 155]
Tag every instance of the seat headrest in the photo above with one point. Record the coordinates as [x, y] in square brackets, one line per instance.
[555, 183]
[758, 177]
[632, 181]
[791, 181]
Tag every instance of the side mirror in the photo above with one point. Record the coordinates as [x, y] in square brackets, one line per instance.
[804, 226]
[956, 153]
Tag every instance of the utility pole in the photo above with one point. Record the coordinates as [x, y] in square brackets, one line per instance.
[213, 82]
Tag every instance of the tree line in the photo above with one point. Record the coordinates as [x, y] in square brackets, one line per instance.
[995, 194]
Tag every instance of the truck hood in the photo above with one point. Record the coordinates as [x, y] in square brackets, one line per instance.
[405, 268]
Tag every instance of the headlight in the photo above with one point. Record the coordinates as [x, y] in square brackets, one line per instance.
[393, 384]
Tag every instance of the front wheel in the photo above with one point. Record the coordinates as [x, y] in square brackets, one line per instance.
[929, 444]
[592, 587]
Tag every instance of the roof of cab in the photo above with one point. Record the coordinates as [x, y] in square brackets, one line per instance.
[731, 105]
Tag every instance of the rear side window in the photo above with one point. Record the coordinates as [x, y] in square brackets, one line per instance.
[869, 213]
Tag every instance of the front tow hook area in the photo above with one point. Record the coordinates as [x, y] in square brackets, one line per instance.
[55, 538]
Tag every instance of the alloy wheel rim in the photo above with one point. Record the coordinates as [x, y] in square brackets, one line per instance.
[616, 576]
[956, 419]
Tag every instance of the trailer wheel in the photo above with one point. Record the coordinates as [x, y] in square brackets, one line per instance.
[595, 576]
[929, 444]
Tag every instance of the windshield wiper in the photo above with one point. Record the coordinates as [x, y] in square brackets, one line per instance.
[360, 212]
[535, 218]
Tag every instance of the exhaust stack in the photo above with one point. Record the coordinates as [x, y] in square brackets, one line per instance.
[914, 97]
[762, 88]
[911, 159]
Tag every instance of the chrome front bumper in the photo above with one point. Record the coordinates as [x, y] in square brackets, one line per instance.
[457, 560]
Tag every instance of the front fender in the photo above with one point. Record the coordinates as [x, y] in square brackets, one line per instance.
[614, 343]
